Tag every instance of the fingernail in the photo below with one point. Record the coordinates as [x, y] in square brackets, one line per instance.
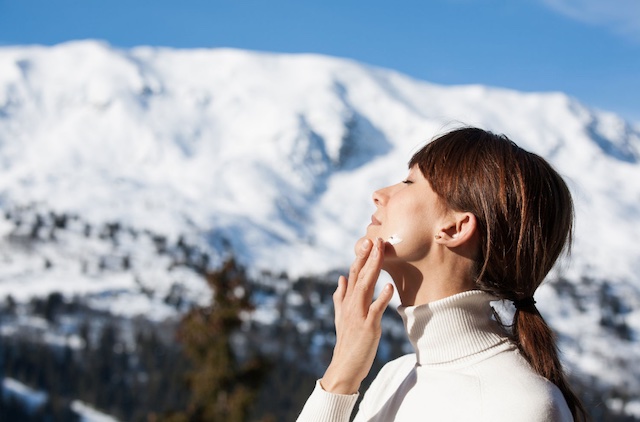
[366, 244]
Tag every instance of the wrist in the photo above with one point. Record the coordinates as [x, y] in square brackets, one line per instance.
[331, 382]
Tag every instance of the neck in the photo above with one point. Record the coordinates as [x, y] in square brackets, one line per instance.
[424, 282]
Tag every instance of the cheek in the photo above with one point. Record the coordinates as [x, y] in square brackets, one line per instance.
[411, 232]
[407, 223]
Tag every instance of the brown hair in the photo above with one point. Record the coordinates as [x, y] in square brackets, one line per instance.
[524, 215]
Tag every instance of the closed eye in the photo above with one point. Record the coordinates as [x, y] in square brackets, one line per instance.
[408, 182]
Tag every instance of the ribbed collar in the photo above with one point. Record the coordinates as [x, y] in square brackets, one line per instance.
[452, 329]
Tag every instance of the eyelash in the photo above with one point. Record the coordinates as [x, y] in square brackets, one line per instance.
[407, 182]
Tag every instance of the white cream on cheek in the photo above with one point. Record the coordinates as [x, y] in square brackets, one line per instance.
[394, 239]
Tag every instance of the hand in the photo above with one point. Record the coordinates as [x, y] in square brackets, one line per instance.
[357, 320]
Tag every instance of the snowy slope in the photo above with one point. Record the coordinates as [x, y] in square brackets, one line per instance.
[276, 153]
[276, 156]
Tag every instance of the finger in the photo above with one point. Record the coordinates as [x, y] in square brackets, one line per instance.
[338, 295]
[378, 307]
[359, 262]
[341, 288]
[367, 278]
[370, 272]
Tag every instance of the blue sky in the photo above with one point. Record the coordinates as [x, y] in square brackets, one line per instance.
[589, 49]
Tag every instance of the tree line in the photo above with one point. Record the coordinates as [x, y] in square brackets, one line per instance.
[211, 365]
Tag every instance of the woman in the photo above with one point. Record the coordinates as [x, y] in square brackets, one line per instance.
[478, 219]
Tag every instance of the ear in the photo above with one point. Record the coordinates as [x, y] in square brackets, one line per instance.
[459, 229]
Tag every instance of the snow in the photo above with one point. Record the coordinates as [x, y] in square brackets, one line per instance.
[89, 414]
[34, 399]
[31, 398]
[252, 145]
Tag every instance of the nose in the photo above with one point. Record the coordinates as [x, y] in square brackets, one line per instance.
[380, 197]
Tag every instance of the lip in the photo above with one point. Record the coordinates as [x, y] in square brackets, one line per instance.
[375, 221]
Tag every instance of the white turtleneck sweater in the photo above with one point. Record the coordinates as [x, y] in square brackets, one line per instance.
[464, 369]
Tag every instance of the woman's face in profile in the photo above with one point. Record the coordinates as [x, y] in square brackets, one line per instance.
[409, 211]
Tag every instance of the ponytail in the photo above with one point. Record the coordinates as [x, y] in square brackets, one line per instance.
[537, 344]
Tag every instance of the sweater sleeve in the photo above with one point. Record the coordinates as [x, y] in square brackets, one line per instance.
[322, 406]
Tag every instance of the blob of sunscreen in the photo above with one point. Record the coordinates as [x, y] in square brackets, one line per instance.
[394, 239]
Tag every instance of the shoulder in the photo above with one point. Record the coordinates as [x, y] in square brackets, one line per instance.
[390, 377]
[387, 384]
[407, 362]
[393, 373]
[510, 386]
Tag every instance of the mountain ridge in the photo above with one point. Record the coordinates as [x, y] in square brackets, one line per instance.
[171, 119]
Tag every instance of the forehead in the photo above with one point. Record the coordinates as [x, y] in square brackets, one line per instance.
[415, 170]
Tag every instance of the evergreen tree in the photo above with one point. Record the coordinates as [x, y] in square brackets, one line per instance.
[223, 386]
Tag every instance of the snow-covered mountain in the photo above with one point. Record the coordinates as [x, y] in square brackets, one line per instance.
[279, 154]
[275, 157]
